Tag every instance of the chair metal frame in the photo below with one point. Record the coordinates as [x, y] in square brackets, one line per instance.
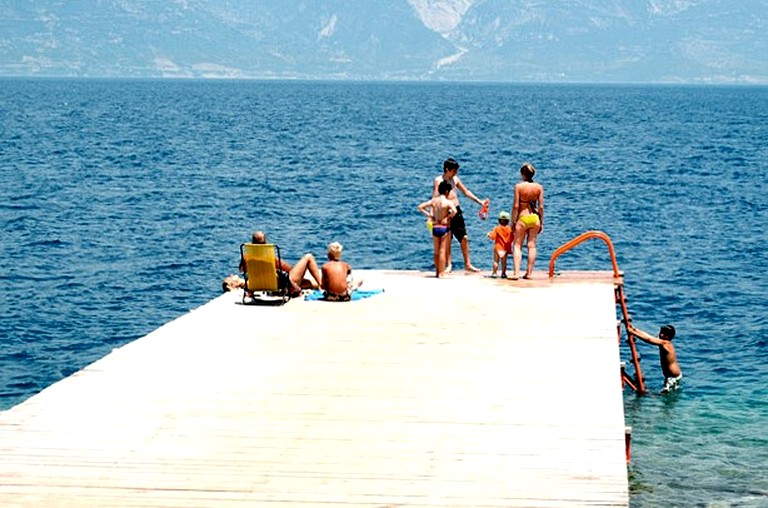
[262, 280]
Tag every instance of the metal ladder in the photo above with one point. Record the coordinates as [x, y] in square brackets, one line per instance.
[636, 382]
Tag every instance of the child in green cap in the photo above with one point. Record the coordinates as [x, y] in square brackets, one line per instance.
[502, 244]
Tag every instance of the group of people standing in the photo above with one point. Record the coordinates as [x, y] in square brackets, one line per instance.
[446, 220]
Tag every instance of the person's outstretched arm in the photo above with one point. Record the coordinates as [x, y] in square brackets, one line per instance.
[463, 188]
[645, 337]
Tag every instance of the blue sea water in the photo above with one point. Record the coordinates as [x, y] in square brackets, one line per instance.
[123, 204]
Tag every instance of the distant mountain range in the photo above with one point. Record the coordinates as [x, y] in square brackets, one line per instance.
[645, 41]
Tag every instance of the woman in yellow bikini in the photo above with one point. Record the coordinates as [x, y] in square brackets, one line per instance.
[528, 215]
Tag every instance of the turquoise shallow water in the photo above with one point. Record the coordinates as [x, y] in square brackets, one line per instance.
[124, 203]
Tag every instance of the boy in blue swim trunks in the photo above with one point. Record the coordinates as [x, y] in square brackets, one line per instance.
[439, 211]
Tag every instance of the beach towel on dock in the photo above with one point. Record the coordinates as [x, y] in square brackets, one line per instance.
[317, 295]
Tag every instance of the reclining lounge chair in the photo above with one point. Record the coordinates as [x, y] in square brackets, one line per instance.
[262, 282]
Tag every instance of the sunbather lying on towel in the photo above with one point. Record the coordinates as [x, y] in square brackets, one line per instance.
[232, 282]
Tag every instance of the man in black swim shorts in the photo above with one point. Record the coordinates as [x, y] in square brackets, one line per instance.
[458, 226]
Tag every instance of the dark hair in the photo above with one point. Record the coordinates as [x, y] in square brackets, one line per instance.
[444, 187]
[527, 170]
[450, 165]
[668, 331]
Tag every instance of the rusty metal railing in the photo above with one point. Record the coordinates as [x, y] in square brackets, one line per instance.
[636, 383]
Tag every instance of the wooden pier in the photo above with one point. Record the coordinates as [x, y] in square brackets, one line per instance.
[459, 392]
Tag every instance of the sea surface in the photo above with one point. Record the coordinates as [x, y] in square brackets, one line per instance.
[123, 204]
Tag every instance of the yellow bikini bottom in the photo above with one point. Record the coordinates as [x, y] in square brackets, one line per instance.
[529, 221]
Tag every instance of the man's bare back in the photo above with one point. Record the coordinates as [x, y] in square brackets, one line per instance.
[335, 275]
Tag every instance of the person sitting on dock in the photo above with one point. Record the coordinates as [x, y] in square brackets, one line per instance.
[296, 273]
[338, 283]
[667, 356]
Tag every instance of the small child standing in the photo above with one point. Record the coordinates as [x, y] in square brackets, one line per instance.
[502, 244]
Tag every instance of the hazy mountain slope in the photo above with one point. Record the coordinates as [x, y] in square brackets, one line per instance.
[441, 15]
[257, 38]
[613, 40]
[504, 40]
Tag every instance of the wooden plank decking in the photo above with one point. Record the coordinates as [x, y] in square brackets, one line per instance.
[462, 392]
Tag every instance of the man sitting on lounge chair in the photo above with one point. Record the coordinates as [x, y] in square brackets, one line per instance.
[298, 271]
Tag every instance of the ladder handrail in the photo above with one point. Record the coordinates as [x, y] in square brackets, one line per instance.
[579, 240]
[619, 297]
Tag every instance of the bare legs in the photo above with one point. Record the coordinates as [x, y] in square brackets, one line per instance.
[533, 233]
[442, 245]
[355, 284]
[503, 257]
[438, 253]
[517, 251]
[499, 259]
[465, 252]
[306, 263]
[448, 264]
